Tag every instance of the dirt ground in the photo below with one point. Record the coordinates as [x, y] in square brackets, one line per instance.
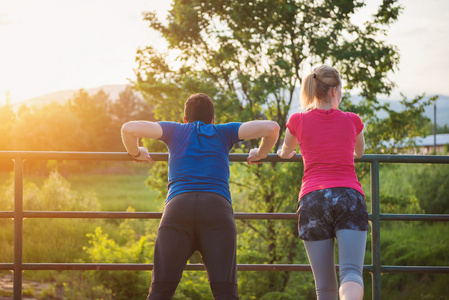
[31, 290]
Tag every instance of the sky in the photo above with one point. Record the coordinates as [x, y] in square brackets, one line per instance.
[52, 45]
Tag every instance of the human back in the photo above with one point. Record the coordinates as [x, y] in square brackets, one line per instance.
[327, 140]
[199, 156]
[326, 135]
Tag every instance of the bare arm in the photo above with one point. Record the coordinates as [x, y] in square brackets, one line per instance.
[359, 148]
[267, 130]
[289, 146]
[133, 131]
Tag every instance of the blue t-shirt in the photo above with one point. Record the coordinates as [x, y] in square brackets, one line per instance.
[199, 156]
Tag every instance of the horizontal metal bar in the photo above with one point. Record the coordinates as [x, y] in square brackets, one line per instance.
[6, 267]
[64, 155]
[234, 157]
[414, 269]
[414, 217]
[265, 216]
[92, 215]
[6, 214]
[200, 267]
[149, 267]
[136, 215]
[237, 215]
[387, 158]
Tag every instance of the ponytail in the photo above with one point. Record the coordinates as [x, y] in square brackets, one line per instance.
[308, 88]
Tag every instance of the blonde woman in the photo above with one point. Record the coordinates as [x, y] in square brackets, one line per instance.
[331, 200]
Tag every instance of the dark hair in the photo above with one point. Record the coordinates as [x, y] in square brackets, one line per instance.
[199, 107]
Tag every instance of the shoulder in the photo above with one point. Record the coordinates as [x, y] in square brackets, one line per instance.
[169, 124]
[296, 117]
[356, 120]
[294, 121]
[170, 128]
[353, 116]
[229, 133]
[227, 127]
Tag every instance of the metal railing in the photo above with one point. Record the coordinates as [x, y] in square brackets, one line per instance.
[375, 217]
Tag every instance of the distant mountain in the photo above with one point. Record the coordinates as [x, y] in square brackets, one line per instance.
[63, 96]
[113, 90]
[442, 108]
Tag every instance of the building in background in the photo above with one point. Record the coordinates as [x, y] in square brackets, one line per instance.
[426, 145]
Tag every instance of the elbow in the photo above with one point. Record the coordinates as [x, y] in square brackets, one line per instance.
[125, 128]
[359, 154]
[273, 128]
[128, 129]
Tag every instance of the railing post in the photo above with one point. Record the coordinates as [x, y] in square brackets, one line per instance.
[18, 227]
[375, 230]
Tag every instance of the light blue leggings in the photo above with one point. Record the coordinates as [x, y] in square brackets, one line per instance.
[351, 253]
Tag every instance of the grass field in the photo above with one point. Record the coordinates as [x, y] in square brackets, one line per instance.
[118, 192]
[115, 192]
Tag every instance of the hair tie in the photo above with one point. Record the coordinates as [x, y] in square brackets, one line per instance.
[314, 75]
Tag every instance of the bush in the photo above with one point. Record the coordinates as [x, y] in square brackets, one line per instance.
[47, 240]
[137, 248]
[431, 185]
[415, 244]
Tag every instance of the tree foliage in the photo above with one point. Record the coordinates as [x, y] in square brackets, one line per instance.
[83, 123]
[250, 57]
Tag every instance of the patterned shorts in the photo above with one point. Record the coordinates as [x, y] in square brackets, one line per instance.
[321, 213]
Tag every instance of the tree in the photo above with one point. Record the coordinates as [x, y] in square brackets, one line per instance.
[92, 111]
[48, 128]
[250, 56]
[130, 106]
[7, 117]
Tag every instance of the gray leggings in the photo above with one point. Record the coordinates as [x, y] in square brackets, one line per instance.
[351, 253]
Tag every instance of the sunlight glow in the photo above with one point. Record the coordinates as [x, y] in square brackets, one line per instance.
[51, 45]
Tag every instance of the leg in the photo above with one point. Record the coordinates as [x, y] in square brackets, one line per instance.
[351, 290]
[173, 247]
[351, 252]
[321, 257]
[217, 244]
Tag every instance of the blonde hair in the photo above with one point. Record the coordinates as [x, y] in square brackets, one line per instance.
[317, 84]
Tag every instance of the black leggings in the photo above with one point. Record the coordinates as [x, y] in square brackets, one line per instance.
[196, 221]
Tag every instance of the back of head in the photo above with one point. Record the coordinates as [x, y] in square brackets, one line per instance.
[317, 84]
[199, 107]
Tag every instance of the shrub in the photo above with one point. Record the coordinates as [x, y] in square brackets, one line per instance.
[137, 248]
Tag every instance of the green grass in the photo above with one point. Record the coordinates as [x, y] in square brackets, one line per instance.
[118, 192]
[115, 192]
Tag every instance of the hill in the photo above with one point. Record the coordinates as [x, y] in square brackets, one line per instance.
[62, 96]
[442, 103]
[442, 108]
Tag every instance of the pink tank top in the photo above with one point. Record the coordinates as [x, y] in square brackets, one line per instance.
[326, 140]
